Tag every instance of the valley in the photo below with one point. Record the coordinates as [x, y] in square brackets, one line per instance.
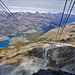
[40, 54]
[34, 49]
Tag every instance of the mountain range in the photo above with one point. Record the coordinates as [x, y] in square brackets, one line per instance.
[30, 21]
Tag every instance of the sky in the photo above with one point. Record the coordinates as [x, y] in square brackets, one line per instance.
[42, 6]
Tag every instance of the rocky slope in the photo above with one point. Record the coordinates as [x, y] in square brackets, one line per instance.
[68, 35]
[42, 55]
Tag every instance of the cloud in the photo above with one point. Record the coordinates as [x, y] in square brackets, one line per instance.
[50, 5]
[30, 9]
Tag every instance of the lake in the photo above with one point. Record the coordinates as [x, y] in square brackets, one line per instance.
[6, 42]
[11, 36]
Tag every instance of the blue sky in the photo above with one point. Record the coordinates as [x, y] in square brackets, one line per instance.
[42, 6]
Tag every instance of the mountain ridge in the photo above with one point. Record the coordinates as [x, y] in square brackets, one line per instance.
[68, 34]
[37, 21]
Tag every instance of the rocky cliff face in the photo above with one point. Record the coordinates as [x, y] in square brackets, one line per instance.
[31, 58]
[56, 56]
